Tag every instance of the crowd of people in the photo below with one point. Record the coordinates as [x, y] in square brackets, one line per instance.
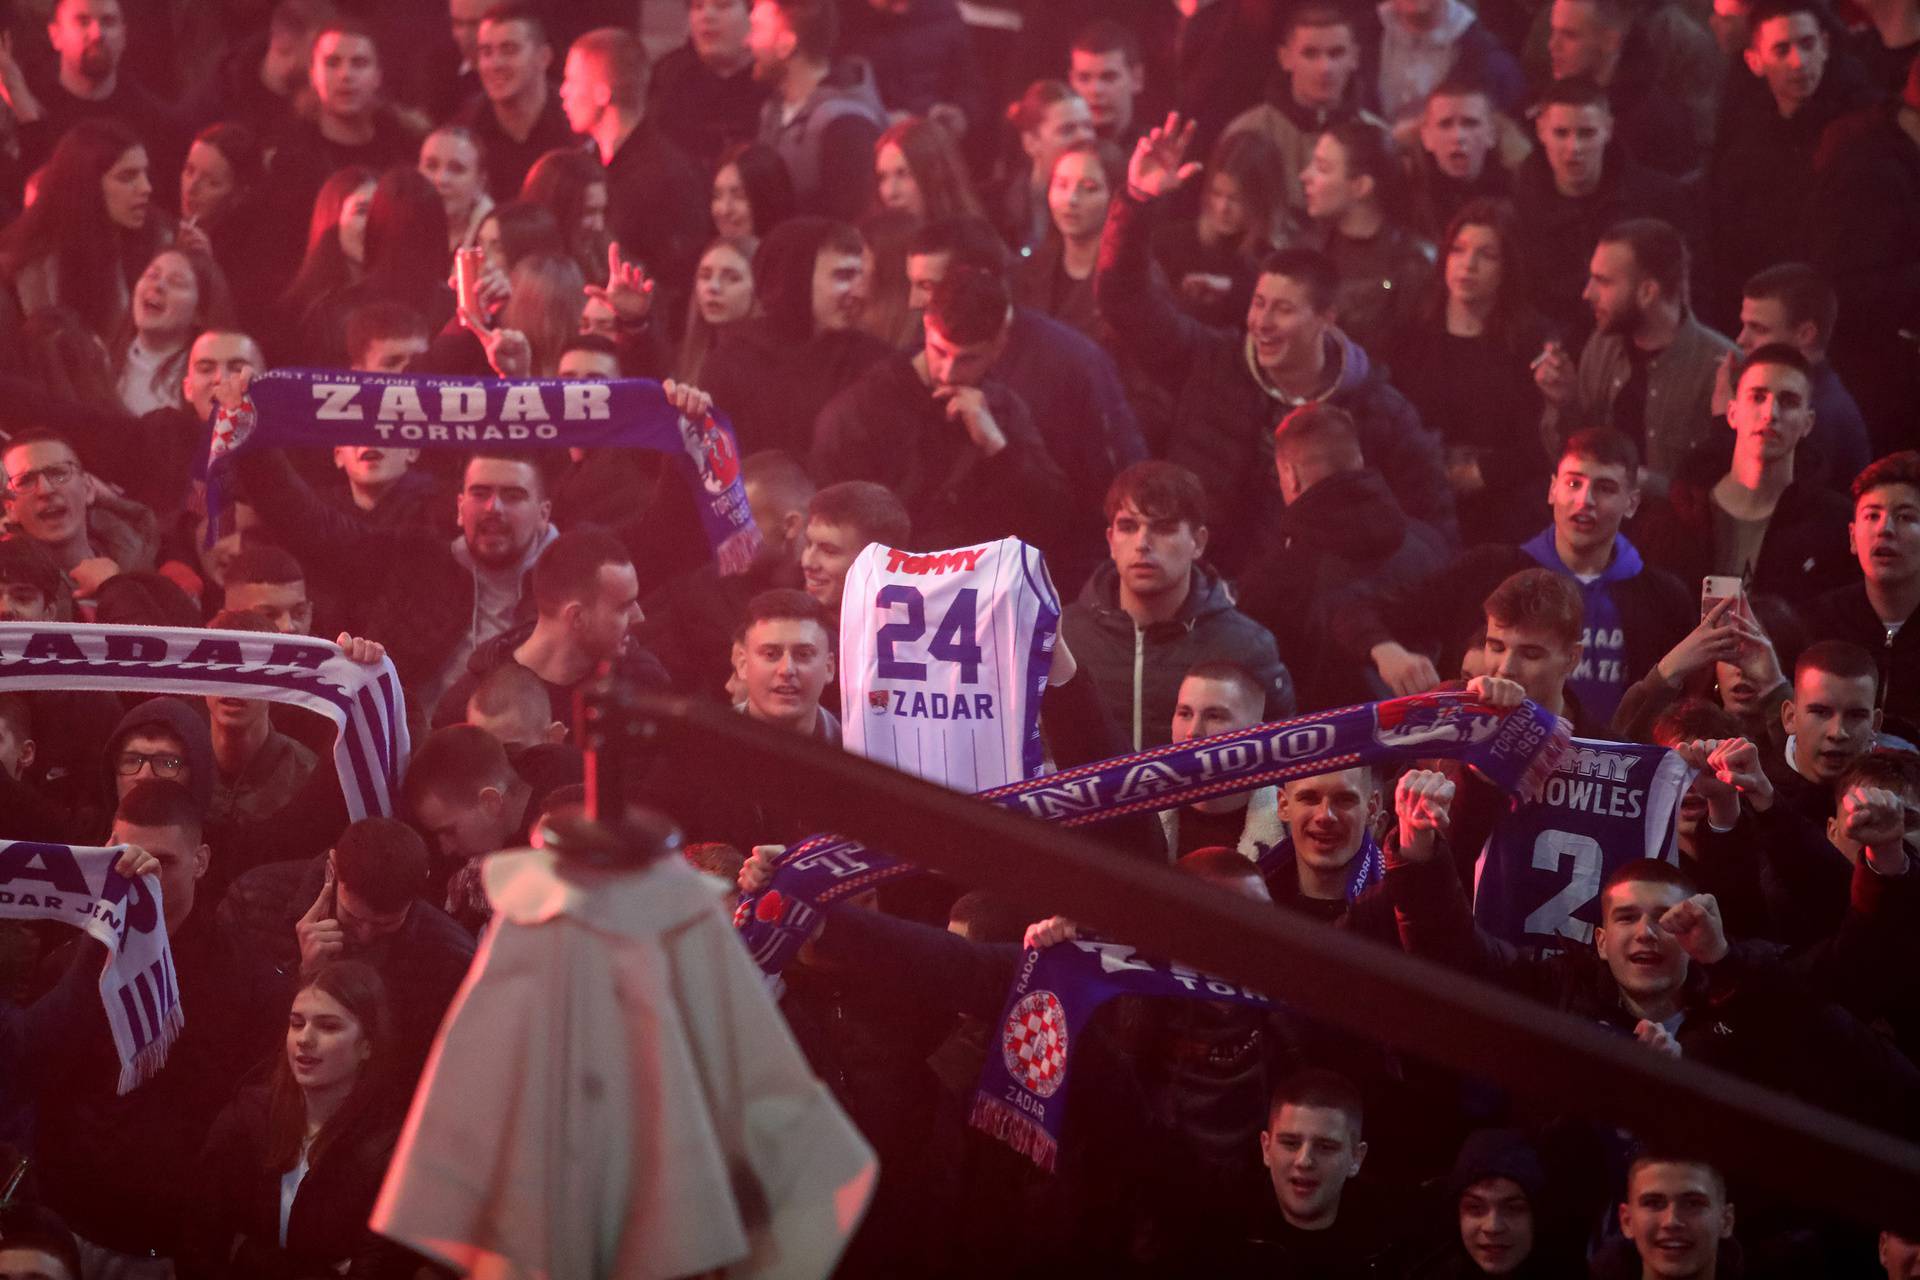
[1270, 325]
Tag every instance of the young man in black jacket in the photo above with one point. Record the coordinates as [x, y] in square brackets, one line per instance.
[1877, 612]
[958, 448]
[1663, 970]
[1342, 533]
[1231, 388]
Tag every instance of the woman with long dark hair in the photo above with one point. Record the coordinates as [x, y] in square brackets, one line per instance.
[293, 1165]
[182, 292]
[221, 184]
[1213, 259]
[407, 261]
[1463, 361]
[752, 193]
[774, 372]
[572, 185]
[1058, 278]
[89, 231]
[1355, 187]
[334, 259]
[224, 169]
[918, 171]
[407, 255]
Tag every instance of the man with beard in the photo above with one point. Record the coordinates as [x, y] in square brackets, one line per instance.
[437, 602]
[1580, 181]
[823, 117]
[1648, 370]
[90, 38]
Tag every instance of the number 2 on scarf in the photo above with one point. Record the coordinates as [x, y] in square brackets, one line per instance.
[953, 640]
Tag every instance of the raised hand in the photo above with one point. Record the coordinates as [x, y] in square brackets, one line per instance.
[1736, 762]
[1155, 168]
[1656, 1037]
[628, 290]
[687, 398]
[1497, 692]
[366, 652]
[1875, 818]
[1423, 802]
[508, 350]
[756, 873]
[1716, 638]
[319, 932]
[1757, 658]
[1695, 924]
[230, 390]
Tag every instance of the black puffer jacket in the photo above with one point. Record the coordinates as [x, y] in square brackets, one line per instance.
[1224, 416]
[1344, 535]
[1138, 672]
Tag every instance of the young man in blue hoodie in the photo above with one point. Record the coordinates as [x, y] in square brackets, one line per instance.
[1634, 614]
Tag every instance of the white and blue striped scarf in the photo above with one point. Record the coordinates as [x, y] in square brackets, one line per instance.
[363, 700]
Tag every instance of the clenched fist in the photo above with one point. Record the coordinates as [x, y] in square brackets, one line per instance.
[1423, 802]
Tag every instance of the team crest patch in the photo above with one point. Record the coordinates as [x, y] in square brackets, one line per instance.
[1034, 1043]
[1411, 722]
[877, 700]
[713, 453]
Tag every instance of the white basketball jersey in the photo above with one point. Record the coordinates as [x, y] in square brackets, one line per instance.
[943, 658]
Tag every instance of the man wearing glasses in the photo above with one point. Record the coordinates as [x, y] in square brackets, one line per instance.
[165, 739]
[51, 499]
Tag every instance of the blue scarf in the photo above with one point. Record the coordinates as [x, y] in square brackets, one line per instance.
[1022, 1097]
[1515, 750]
[1365, 871]
[324, 408]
